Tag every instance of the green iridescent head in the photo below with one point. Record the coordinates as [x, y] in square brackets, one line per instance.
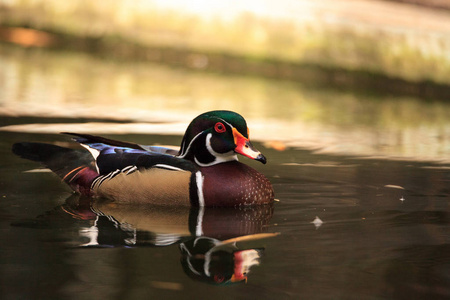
[217, 136]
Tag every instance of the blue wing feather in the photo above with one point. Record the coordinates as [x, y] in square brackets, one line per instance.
[111, 155]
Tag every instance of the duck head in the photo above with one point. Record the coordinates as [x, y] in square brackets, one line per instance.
[216, 137]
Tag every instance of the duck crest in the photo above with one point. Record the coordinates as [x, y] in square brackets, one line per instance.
[205, 172]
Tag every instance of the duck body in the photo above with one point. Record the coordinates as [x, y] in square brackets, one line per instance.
[207, 186]
[246, 186]
[205, 172]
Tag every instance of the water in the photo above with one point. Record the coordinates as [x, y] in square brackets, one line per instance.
[376, 240]
[385, 231]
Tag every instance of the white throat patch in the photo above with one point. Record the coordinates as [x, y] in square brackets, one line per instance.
[219, 157]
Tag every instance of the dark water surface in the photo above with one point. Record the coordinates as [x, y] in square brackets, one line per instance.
[385, 235]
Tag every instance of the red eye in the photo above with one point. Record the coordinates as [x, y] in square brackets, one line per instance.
[219, 127]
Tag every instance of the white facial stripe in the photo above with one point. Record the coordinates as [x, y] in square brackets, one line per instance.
[220, 157]
[231, 126]
[199, 178]
[207, 262]
[201, 164]
[191, 267]
[189, 146]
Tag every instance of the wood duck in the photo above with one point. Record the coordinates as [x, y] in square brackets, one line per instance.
[204, 172]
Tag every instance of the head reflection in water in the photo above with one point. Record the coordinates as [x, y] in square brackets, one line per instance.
[209, 260]
[217, 246]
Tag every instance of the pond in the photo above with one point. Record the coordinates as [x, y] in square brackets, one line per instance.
[362, 183]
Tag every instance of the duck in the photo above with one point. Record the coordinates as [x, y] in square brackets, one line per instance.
[205, 172]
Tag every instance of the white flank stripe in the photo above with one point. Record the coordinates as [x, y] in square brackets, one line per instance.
[126, 169]
[199, 178]
[134, 168]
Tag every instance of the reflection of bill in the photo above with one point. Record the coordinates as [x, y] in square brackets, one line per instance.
[217, 246]
[220, 262]
[244, 260]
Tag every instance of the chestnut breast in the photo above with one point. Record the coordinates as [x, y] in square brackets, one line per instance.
[235, 184]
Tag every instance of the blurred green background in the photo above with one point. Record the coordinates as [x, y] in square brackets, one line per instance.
[389, 38]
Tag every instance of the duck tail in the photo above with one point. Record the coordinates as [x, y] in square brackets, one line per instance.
[75, 167]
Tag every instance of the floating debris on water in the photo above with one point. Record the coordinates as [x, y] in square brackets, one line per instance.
[317, 222]
[392, 186]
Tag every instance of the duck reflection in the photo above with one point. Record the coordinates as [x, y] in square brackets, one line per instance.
[217, 246]
[213, 261]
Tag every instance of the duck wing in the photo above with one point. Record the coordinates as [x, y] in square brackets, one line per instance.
[93, 139]
[111, 155]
